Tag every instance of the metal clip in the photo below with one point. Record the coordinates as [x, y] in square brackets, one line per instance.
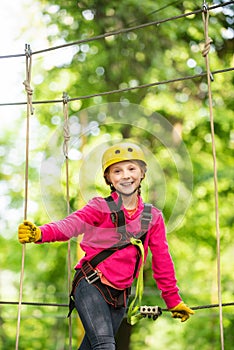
[113, 217]
[151, 311]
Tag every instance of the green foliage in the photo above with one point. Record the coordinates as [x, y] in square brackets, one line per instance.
[171, 121]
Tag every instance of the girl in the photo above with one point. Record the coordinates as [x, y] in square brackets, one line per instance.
[105, 274]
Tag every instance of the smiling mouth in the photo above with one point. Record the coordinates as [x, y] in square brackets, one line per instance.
[127, 184]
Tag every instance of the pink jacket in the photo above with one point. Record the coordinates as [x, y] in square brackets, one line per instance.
[100, 233]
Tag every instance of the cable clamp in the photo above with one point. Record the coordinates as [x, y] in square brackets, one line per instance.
[65, 97]
[28, 51]
[205, 6]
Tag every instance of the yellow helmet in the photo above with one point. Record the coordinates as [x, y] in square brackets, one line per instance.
[121, 152]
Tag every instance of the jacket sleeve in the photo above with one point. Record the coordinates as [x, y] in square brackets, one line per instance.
[162, 264]
[73, 225]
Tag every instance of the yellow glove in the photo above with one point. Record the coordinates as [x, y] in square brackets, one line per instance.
[28, 232]
[181, 311]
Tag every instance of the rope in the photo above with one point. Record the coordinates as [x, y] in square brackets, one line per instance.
[122, 31]
[118, 32]
[32, 303]
[66, 136]
[205, 53]
[29, 110]
[110, 92]
[133, 315]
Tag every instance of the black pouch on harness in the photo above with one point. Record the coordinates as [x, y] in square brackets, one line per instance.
[115, 297]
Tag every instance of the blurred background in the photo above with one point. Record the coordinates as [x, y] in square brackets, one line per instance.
[147, 84]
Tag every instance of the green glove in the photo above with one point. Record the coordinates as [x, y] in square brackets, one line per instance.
[28, 232]
[181, 311]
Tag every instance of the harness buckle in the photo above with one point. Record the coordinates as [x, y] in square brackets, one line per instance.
[147, 216]
[113, 217]
[92, 277]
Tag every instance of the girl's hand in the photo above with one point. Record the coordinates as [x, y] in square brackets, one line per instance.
[181, 311]
[28, 232]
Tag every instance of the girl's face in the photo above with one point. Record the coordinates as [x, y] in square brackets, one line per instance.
[125, 176]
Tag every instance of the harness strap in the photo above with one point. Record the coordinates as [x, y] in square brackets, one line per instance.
[117, 215]
[146, 216]
[88, 268]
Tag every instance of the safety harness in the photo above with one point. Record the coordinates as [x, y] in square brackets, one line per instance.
[117, 298]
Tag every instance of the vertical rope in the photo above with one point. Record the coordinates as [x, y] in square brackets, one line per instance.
[205, 52]
[66, 135]
[29, 111]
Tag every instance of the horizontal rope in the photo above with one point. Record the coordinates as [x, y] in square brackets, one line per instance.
[121, 31]
[200, 307]
[118, 32]
[31, 303]
[144, 86]
[14, 56]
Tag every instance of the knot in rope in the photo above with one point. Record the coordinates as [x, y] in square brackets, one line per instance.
[28, 88]
[66, 136]
[206, 49]
[29, 92]
[66, 132]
